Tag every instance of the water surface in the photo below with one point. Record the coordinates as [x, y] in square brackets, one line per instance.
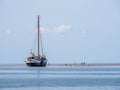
[59, 78]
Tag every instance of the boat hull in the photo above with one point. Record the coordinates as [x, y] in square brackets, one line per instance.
[37, 63]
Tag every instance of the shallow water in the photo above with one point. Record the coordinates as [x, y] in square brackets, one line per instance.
[59, 78]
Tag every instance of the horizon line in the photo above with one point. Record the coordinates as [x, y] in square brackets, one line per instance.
[69, 64]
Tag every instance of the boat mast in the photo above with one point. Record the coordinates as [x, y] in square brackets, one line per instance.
[38, 36]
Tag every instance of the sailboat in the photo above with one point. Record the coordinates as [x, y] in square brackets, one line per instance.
[40, 59]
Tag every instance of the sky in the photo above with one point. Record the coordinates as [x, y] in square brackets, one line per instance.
[73, 31]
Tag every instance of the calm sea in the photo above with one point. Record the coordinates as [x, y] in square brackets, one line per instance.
[59, 78]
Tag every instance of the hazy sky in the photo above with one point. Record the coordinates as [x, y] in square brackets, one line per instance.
[73, 31]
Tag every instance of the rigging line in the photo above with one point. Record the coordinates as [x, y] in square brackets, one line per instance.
[35, 40]
[38, 36]
[41, 46]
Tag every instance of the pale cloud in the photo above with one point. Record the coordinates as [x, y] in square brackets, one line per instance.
[45, 30]
[62, 29]
[59, 29]
[8, 31]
